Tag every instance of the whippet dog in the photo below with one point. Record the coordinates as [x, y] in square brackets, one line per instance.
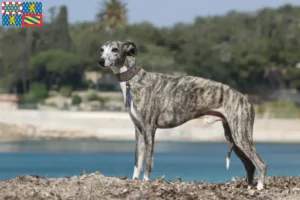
[157, 100]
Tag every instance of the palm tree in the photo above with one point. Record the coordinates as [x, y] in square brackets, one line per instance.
[112, 15]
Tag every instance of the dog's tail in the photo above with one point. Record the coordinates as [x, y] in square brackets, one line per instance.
[228, 156]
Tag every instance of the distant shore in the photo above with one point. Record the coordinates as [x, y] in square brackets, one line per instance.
[34, 125]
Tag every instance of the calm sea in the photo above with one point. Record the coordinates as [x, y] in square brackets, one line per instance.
[188, 160]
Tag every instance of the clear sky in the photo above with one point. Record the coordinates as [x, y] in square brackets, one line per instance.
[163, 12]
[166, 12]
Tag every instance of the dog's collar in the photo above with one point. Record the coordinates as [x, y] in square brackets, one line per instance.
[129, 73]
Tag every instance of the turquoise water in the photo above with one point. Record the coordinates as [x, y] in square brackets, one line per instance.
[190, 161]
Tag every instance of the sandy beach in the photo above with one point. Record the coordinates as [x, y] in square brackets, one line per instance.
[32, 124]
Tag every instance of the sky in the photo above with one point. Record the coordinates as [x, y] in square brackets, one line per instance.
[163, 12]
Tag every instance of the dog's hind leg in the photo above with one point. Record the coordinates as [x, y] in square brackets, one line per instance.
[244, 148]
[251, 159]
[139, 153]
[249, 166]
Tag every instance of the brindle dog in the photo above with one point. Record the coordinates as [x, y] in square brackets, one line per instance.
[157, 100]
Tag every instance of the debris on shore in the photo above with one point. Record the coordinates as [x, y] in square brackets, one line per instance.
[97, 186]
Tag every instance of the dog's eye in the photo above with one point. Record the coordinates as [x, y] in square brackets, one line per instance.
[114, 50]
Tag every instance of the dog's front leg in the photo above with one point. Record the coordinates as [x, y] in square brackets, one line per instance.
[139, 153]
[152, 153]
[149, 133]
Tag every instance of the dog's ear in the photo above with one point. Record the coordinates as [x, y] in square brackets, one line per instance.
[129, 48]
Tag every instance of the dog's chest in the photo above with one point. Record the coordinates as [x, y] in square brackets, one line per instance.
[132, 110]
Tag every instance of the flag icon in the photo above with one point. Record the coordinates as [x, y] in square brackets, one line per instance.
[11, 8]
[32, 20]
[22, 13]
[32, 7]
[11, 20]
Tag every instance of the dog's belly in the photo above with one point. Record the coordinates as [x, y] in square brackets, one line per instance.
[172, 120]
[165, 123]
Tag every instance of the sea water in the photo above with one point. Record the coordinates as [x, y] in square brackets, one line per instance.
[191, 161]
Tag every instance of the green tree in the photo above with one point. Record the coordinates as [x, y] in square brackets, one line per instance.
[14, 56]
[250, 51]
[37, 93]
[56, 68]
[113, 14]
[60, 31]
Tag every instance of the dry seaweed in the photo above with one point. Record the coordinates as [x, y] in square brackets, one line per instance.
[97, 186]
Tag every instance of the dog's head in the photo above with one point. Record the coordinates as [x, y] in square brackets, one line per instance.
[113, 53]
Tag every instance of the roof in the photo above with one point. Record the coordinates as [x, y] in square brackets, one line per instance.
[9, 98]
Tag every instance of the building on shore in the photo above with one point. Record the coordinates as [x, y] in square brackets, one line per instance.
[9, 101]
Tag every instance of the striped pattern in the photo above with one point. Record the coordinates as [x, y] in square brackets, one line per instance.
[12, 8]
[32, 20]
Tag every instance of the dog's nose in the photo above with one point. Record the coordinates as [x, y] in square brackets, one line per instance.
[101, 62]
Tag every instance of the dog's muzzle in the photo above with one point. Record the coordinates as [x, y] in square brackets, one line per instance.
[101, 62]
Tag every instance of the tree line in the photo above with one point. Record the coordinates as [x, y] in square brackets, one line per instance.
[255, 53]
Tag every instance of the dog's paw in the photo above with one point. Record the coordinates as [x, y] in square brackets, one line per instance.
[146, 178]
[249, 187]
[260, 185]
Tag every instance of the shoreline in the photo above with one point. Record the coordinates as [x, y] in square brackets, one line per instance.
[97, 186]
[20, 125]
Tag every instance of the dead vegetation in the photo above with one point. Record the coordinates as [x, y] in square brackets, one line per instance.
[97, 186]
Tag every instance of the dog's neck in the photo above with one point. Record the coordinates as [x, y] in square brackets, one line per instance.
[129, 69]
[125, 73]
